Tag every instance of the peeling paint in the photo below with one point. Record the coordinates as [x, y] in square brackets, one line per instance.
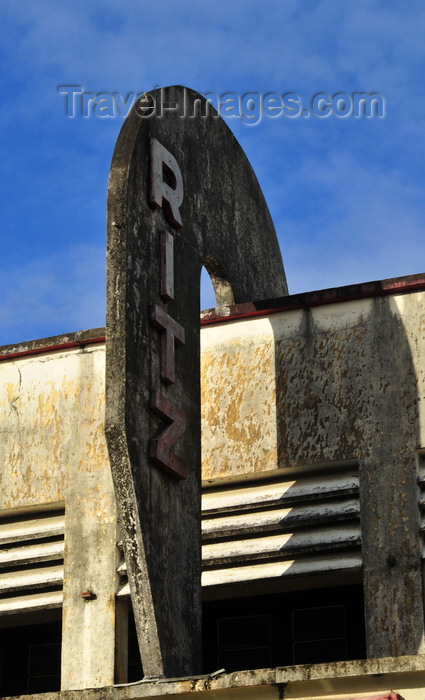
[300, 387]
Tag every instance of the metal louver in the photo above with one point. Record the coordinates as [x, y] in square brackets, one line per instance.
[281, 526]
[31, 561]
[307, 524]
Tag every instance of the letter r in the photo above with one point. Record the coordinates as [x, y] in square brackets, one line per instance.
[165, 193]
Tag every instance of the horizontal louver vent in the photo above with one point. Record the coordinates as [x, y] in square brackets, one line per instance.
[305, 525]
[31, 561]
[269, 529]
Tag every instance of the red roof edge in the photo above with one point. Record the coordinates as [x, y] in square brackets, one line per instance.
[237, 312]
[322, 297]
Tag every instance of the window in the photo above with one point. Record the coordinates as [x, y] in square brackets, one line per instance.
[244, 641]
[319, 634]
[30, 658]
[282, 629]
[135, 669]
[31, 595]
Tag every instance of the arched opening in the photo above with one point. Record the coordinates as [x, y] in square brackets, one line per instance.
[216, 289]
[207, 291]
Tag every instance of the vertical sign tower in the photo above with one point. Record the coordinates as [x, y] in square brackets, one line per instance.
[181, 195]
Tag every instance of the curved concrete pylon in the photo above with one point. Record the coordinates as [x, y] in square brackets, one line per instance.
[182, 194]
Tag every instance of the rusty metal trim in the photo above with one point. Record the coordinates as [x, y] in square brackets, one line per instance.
[322, 297]
[52, 348]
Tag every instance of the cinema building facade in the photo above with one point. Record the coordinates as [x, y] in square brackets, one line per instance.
[313, 450]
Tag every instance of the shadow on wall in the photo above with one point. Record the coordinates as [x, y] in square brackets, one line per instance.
[346, 387]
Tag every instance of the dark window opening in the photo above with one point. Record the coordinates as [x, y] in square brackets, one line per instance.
[244, 640]
[283, 629]
[30, 658]
[135, 668]
[299, 627]
[319, 634]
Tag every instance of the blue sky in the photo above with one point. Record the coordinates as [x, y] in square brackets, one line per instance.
[346, 194]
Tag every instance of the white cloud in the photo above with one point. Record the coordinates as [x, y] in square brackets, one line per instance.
[346, 197]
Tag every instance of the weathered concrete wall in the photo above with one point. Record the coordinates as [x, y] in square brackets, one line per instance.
[238, 399]
[53, 451]
[320, 361]
[349, 384]
[374, 679]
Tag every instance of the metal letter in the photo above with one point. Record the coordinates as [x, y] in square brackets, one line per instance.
[168, 196]
[167, 266]
[160, 447]
[174, 333]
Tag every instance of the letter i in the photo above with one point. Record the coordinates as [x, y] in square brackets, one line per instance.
[167, 266]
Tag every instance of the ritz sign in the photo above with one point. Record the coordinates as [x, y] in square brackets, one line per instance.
[181, 195]
[163, 195]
